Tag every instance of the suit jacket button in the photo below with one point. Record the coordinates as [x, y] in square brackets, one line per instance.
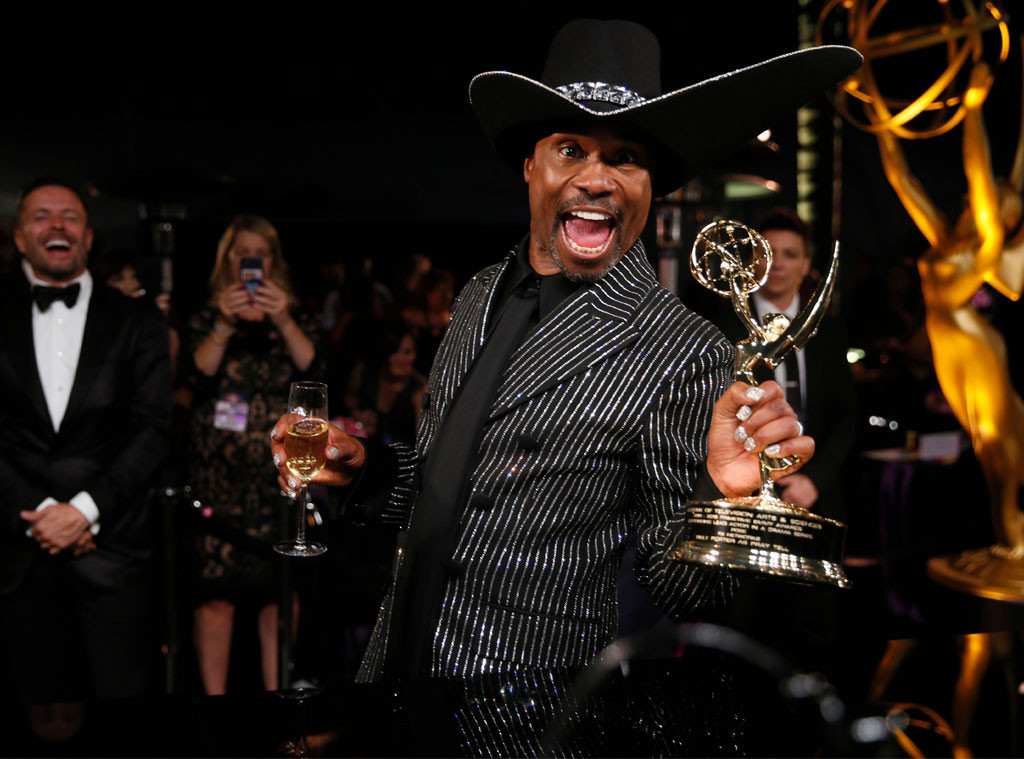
[481, 501]
[454, 568]
[529, 442]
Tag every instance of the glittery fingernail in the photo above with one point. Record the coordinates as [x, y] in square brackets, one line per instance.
[333, 453]
[273, 433]
[277, 459]
[744, 413]
[292, 483]
[750, 444]
[754, 393]
[773, 449]
[740, 434]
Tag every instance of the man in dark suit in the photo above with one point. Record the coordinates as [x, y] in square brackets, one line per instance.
[572, 401]
[84, 415]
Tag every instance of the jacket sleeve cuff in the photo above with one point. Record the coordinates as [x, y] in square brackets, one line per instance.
[385, 487]
[87, 508]
[704, 489]
[85, 505]
[48, 501]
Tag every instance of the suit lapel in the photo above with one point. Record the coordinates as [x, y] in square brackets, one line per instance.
[585, 329]
[100, 328]
[17, 331]
[465, 336]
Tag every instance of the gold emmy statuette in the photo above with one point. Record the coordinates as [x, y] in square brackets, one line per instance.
[761, 534]
[985, 245]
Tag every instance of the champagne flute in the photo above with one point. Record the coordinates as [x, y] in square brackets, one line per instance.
[305, 445]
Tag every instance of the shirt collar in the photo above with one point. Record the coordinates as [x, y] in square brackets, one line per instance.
[554, 288]
[84, 280]
[765, 306]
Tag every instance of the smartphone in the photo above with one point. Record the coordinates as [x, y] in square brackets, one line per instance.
[250, 271]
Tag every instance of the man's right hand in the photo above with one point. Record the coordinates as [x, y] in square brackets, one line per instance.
[345, 457]
[57, 527]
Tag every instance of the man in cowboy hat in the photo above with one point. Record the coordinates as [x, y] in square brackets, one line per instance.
[570, 402]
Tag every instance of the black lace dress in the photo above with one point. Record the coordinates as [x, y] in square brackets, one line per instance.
[229, 469]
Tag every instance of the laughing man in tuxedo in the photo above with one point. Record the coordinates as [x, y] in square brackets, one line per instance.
[84, 416]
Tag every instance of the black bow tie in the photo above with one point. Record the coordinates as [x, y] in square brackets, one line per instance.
[44, 295]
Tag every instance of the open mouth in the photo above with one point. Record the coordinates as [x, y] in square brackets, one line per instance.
[58, 245]
[588, 232]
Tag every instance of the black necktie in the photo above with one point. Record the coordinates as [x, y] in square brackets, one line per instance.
[793, 394]
[44, 295]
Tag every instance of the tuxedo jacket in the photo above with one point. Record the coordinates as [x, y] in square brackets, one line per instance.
[598, 430]
[114, 433]
[830, 413]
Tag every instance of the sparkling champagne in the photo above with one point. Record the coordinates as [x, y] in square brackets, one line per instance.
[305, 445]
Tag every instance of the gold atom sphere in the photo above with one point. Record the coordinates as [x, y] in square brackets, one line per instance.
[728, 255]
[961, 31]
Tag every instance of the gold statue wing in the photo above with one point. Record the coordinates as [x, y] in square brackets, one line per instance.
[806, 324]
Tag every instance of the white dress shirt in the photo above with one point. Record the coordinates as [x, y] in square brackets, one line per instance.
[57, 336]
[765, 306]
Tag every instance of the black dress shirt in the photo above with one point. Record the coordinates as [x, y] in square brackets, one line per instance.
[524, 300]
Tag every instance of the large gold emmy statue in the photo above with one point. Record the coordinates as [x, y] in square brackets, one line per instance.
[985, 245]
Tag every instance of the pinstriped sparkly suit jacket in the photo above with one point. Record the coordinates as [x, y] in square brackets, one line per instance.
[617, 384]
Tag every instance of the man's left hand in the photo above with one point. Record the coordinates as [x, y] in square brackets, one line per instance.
[799, 490]
[85, 544]
[56, 527]
[745, 421]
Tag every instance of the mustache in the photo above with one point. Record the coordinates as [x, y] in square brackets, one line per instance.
[583, 200]
[45, 238]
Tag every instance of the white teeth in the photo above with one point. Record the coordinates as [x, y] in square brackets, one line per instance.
[591, 215]
[57, 244]
[581, 248]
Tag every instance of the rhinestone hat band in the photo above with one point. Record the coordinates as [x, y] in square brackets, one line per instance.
[608, 93]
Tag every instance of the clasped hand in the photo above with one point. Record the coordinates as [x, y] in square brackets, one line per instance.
[60, 527]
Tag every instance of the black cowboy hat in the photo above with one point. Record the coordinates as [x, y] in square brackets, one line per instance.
[608, 72]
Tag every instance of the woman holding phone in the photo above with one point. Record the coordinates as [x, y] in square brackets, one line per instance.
[248, 345]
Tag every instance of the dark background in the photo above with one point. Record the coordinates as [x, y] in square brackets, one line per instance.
[351, 129]
[352, 132]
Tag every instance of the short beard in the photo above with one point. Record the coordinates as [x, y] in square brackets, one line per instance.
[58, 275]
[63, 273]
